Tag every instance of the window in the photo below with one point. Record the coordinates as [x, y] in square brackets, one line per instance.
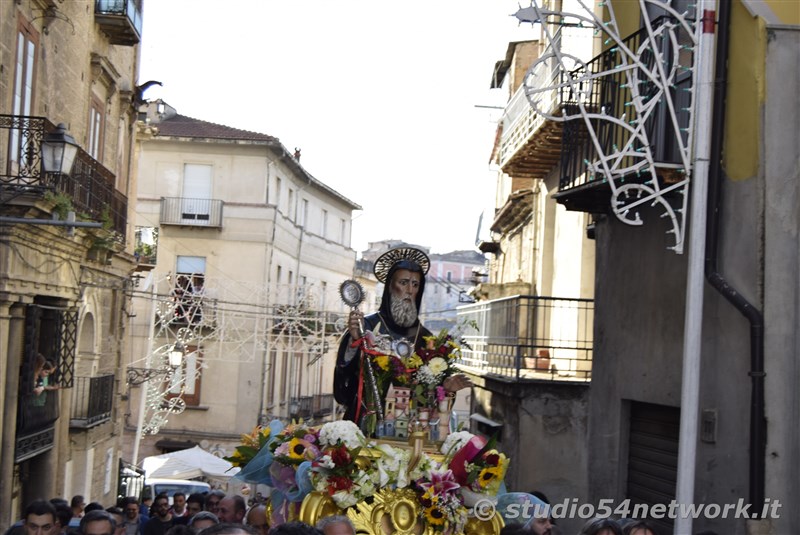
[196, 198]
[186, 378]
[285, 376]
[271, 370]
[342, 231]
[303, 213]
[449, 276]
[290, 209]
[324, 229]
[188, 294]
[96, 128]
[22, 103]
[278, 187]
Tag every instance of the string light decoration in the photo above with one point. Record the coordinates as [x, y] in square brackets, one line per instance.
[656, 78]
[218, 319]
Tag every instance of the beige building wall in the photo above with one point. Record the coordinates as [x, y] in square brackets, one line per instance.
[284, 242]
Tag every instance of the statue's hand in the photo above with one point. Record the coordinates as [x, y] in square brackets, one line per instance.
[354, 324]
[457, 382]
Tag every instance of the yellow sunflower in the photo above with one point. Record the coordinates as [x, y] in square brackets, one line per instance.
[488, 475]
[297, 448]
[434, 516]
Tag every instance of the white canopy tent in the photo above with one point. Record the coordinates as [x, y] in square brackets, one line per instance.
[191, 463]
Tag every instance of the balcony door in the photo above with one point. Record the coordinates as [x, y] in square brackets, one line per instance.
[196, 199]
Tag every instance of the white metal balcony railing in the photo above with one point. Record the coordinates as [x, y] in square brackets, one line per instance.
[529, 338]
[191, 212]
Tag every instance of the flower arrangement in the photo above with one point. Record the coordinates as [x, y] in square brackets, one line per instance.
[337, 460]
[442, 508]
[477, 465]
[336, 470]
[252, 443]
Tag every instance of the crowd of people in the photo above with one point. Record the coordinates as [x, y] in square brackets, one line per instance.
[211, 513]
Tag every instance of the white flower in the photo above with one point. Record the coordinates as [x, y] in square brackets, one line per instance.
[326, 462]
[437, 365]
[426, 376]
[343, 431]
[455, 441]
[344, 499]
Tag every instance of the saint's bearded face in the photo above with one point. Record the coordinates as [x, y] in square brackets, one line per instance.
[404, 311]
[402, 300]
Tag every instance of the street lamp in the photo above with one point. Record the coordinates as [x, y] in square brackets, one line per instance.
[138, 376]
[58, 151]
[176, 354]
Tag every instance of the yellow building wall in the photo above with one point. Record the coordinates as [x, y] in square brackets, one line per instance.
[745, 94]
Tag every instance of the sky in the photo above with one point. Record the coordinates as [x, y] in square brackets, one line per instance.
[389, 102]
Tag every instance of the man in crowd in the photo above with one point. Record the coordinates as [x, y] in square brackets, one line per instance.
[212, 501]
[133, 522]
[178, 509]
[336, 525]
[77, 503]
[203, 520]
[194, 504]
[402, 270]
[161, 519]
[232, 510]
[257, 518]
[40, 519]
[98, 522]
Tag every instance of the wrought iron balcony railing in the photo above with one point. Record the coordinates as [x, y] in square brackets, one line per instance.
[301, 407]
[90, 187]
[92, 401]
[322, 404]
[121, 20]
[529, 338]
[607, 90]
[191, 212]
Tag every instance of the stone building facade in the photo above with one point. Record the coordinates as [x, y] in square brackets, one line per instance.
[63, 288]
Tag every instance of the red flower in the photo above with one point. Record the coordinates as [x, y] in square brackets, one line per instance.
[337, 483]
[340, 456]
[492, 459]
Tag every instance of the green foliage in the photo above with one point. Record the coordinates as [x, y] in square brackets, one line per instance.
[62, 204]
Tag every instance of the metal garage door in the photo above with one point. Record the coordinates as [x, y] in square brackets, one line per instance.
[653, 456]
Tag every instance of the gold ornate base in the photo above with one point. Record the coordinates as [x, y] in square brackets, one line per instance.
[390, 511]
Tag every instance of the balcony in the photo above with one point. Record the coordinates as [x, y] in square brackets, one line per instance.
[301, 407]
[36, 417]
[92, 401]
[322, 405]
[527, 338]
[90, 188]
[184, 211]
[634, 97]
[121, 20]
[530, 145]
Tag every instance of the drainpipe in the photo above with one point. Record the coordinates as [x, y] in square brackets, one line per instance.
[693, 319]
[758, 436]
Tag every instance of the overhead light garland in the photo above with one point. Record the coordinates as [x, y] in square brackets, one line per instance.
[651, 71]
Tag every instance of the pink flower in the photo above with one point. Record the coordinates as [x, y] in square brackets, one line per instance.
[441, 483]
[441, 394]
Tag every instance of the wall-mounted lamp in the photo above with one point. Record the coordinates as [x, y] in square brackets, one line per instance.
[58, 151]
[137, 376]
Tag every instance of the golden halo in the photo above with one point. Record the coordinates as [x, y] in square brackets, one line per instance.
[388, 259]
